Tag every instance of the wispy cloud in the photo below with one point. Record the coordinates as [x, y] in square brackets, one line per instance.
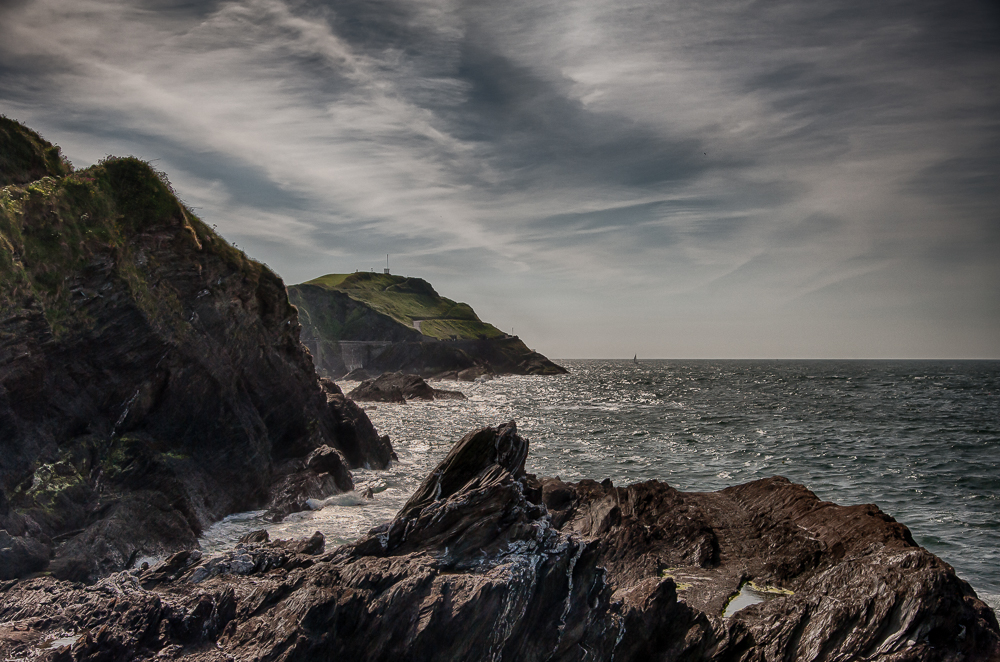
[717, 160]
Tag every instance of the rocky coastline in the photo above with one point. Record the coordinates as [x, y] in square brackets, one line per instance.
[487, 562]
[153, 380]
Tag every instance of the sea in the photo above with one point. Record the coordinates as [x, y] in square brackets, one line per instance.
[920, 439]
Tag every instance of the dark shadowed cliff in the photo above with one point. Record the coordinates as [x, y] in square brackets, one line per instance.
[151, 375]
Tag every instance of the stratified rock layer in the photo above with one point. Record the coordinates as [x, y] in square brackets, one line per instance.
[151, 376]
[485, 562]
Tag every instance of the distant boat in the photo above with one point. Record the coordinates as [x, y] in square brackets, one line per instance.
[635, 359]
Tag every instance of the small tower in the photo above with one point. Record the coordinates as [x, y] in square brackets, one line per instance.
[386, 264]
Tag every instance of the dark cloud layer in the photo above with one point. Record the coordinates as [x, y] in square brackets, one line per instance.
[679, 179]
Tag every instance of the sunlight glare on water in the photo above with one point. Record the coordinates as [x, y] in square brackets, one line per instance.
[919, 439]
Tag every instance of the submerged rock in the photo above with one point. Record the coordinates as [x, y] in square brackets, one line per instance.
[398, 387]
[486, 562]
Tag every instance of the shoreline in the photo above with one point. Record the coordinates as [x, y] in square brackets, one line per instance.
[428, 430]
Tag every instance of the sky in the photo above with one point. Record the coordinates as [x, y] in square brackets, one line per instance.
[712, 179]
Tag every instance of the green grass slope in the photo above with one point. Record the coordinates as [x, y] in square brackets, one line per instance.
[409, 300]
[25, 156]
[81, 216]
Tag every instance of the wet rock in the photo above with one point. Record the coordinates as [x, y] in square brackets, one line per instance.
[399, 387]
[322, 474]
[358, 375]
[258, 536]
[476, 565]
[474, 373]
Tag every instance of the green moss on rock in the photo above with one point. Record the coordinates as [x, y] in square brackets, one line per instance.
[25, 156]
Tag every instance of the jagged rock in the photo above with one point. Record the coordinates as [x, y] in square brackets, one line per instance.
[322, 474]
[358, 375]
[151, 375]
[487, 562]
[399, 387]
[260, 535]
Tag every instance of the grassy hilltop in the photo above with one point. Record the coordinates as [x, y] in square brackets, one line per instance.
[411, 302]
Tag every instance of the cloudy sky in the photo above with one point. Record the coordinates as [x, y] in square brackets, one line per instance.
[720, 178]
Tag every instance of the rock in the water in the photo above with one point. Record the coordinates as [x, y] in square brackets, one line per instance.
[322, 474]
[260, 535]
[399, 387]
[485, 562]
[151, 375]
[473, 373]
[358, 375]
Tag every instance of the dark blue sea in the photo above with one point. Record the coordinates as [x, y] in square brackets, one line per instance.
[921, 439]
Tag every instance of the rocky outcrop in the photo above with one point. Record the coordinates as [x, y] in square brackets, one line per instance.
[323, 473]
[447, 359]
[151, 375]
[397, 387]
[335, 325]
[385, 323]
[485, 562]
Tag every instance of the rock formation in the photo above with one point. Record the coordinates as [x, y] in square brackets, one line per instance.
[485, 562]
[151, 375]
[385, 323]
[397, 387]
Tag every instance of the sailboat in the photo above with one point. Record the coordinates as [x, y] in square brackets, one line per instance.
[635, 359]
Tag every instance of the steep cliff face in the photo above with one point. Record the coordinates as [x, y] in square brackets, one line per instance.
[386, 323]
[151, 375]
[485, 562]
[330, 317]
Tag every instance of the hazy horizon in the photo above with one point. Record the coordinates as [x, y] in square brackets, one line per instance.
[722, 180]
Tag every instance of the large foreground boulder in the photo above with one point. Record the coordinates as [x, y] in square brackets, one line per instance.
[151, 375]
[485, 562]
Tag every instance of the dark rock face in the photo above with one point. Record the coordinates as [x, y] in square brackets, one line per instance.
[450, 358]
[323, 473]
[398, 387]
[151, 377]
[323, 312]
[485, 562]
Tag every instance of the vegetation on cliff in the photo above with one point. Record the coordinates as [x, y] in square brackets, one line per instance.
[411, 302]
[151, 374]
[421, 332]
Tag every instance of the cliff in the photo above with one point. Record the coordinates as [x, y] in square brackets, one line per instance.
[151, 375]
[386, 323]
[486, 562]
